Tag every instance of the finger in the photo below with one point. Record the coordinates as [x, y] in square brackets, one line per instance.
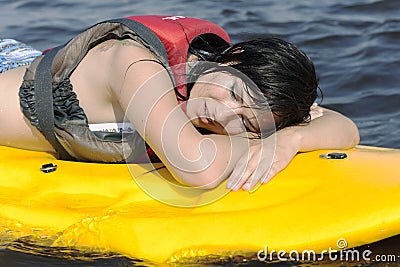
[275, 169]
[247, 176]
[250, 183]
[248, 173]
[238, 171]
[265, 162]
[260, 172]
[244, 164]
[259, 183]
[316, 113]
[261, 169]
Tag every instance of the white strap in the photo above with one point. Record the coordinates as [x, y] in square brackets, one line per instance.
[113, 127]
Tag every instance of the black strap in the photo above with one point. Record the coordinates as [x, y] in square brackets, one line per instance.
[44, 101]
[145, 33]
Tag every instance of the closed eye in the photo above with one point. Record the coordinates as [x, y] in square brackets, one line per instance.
[246, 123]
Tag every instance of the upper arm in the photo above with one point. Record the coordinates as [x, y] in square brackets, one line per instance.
[346, 125]
[332, 130]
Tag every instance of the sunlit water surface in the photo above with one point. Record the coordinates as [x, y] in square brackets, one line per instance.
[354, 45]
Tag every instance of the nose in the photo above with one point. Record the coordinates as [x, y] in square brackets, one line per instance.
[228, 119]
[224, 114]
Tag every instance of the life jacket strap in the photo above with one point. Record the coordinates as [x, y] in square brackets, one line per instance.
[44, 101]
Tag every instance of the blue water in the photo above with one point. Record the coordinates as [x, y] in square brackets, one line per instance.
[355, 46]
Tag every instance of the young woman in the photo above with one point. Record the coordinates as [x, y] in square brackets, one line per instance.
[120, 72]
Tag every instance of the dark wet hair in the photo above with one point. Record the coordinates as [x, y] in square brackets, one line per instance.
[284, 74]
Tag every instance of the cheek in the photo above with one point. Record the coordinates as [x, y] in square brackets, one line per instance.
[225, 127]
[234, 127]
[231, 125]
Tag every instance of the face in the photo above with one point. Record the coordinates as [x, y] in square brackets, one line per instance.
[220, 103]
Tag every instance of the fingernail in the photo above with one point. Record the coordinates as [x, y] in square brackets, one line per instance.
[266, 180]
[246, 187]
[229, 184]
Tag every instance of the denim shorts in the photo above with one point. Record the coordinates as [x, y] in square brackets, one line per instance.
[15, 54]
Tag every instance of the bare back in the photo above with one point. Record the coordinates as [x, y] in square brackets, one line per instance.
[15, 129]
[90, 82]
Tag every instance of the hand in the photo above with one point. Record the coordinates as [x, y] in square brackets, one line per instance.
[265, 158]
[316, 111]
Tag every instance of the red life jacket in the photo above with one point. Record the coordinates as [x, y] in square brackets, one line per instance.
[176, 32]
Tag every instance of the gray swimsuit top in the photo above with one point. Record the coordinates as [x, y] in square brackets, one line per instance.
[66, 128]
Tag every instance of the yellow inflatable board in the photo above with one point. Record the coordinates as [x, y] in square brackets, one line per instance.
[314, 204]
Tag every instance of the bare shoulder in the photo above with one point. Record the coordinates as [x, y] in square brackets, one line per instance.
[123, 53]
[15, 129]
[127, 55]
[113, 43]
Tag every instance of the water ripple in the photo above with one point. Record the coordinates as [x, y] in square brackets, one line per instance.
[354, 44]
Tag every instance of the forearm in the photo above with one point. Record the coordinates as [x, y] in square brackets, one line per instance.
[330, 131]
[215, 162]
